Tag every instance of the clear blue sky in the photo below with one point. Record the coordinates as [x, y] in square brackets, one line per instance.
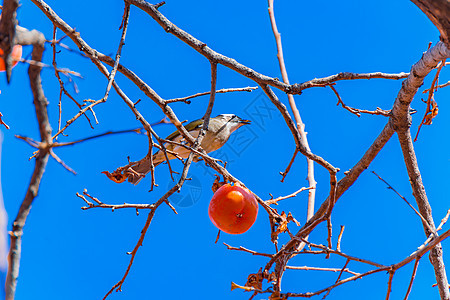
[72, 254]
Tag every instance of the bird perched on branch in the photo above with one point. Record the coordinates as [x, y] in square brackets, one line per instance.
[219, 131]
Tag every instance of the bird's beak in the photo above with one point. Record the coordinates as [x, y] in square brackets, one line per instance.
[245, 122]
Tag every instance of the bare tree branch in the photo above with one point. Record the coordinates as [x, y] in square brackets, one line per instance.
[37, 39]
[400, 115]
[437, 11]
[296, 113]
[284, 112]
[261, 79]
[399, 121]
[415, 178]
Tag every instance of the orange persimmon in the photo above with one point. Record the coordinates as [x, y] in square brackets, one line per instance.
[16, 55]
[233, 209]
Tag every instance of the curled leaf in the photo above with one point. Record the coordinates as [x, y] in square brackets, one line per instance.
[272, 277]
[116, 176]
[255, 280]
[431, 114]
[290, 218]
[217, 183]
[283, 224]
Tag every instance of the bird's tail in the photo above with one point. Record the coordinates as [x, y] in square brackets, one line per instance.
[141, 169]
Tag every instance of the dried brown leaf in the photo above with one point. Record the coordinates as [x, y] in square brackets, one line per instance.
[272, 277]
[217, 183]
[116, 176]
[277, 296]
[432, 114]
[255, 280]
[282, 226]
[290, 218]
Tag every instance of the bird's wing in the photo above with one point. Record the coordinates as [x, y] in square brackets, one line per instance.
[194, 125]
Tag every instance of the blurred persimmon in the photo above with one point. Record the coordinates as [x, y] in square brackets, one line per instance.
[16, 55]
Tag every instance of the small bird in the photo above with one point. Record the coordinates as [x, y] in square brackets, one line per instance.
[219, 130]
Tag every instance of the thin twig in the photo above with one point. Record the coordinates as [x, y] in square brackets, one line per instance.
[407, 202]
[64, 71]
[62, 89]
[389, 288]
[341, 282]
[136, 130]
[308, 268]
[338, 245]
[217, 237]
[332, 251]
[443, 221]
[413, 276]
[186, 99]
[61, 86]
[288, 168]
[247, 250]
[275, 201]
[326, 81]
[357, 111]
[438, 86]
[112, 206]
[112, 74]
[343, 269]
[150, 215]
[339, 277]
[29, 141]
[62, 163]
